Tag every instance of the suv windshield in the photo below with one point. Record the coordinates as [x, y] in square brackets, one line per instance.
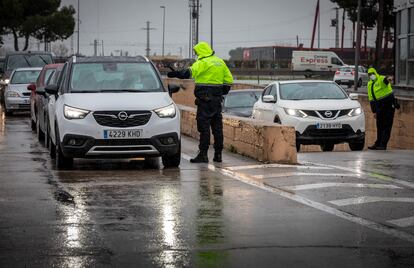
[112, 76]
[239, 100]
[28, 60]
[311, 91]
[25, 77]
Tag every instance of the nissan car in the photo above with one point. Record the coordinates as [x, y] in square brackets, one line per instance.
[321, 112]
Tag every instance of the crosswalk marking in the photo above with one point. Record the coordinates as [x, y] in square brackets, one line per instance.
[291, 174]
[276, 166]
[403, 222]
[249, 180]
[370, 174]
[333, 184]
[369, 199]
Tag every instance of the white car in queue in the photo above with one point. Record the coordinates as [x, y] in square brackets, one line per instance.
[112, 107]
[321, 112]
[16, 95]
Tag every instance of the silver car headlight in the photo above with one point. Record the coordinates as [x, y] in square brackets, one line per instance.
[74, 113]
[167, 111]
[12, 94]
[294, 112]
[6, 81]
[355, 112]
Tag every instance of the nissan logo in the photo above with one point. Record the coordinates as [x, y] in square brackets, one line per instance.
[123, 116]
[328, 114]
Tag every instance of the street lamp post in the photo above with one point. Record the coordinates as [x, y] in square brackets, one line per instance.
[211, 22]
[358, 47]
[163, 29]
[77, 47]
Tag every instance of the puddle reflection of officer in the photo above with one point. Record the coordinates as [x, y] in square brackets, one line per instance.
[383, 105]
[213, 80]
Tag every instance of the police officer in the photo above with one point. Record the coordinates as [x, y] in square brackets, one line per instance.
[212, 80]
[383, 105]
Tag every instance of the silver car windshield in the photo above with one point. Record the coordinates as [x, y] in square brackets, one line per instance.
[114, 77]
[311, 91]
[25, 77]
[241, 100]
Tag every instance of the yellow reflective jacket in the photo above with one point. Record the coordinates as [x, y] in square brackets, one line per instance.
[378, 87]
[209, 69]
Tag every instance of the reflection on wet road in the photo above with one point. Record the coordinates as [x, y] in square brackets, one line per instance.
[126, 213]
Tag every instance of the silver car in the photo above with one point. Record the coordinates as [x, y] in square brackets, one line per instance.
[16, 94]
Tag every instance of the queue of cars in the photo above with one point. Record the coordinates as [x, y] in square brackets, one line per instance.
[117, 107]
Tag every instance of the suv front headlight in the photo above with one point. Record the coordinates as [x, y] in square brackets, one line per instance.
[12, 94]
[355, 112]
[294, 112]
[75, 113]
[167, 111]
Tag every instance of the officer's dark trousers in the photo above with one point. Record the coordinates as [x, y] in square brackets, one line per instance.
[385, 119]
[209, 116]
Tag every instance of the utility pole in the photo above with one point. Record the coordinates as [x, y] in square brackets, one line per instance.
[163, 30]
[148, 29]
[319, 27]
[95, 47]
[343, 30]
[358, 46]
[194, 19]
[337, 29]
[103, 51]
[77, 48]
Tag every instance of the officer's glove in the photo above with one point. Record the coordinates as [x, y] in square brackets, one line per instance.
[226, 89]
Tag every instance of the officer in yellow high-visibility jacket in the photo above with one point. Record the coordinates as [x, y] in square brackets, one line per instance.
[212, 80]
[383, 104]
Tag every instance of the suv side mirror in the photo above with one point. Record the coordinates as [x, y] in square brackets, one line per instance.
[353, 96]
[173, 88]
[40, 91]
[268, 98]
[51, 89]
[31, 87]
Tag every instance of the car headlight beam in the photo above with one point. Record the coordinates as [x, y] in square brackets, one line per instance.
[75, 113]
[166, 112]
[355, 112]
[296, 113]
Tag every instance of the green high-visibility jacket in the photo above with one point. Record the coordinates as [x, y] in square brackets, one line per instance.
[378, 89]
[209, 69]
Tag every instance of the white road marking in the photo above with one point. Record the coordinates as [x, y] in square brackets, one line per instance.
[305, 201]
[370, 199]
[403, 222]
[333, 184]
[275, 166]
[366, 173]
[290, 174]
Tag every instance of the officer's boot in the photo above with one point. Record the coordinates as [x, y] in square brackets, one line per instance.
[217, 157]
[200, 158]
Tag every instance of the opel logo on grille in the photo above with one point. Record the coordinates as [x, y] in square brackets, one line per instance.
[328, 113]
[123, 116]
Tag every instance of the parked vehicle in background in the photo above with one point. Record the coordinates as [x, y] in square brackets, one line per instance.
[315, 61]
[345, 76]
[16, 96]
[39, 98]
[240, 102]
[110, 107]
[320, 111]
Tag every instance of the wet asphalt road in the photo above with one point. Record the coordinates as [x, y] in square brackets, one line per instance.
[334, 210]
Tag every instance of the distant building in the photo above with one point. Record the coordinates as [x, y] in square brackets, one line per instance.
[404, 56]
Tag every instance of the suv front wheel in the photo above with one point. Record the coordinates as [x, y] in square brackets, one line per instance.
[62, 162]
[172, 161]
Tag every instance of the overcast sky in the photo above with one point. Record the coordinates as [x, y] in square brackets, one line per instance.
[237, 23]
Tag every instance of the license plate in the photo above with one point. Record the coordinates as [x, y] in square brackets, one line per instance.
[122, 134]
[27, 101]
[328, 125]
[344, 81]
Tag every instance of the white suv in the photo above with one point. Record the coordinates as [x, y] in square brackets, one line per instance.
[320, 111]
[111, 107]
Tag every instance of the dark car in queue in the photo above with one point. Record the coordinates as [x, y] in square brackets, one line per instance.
[39, 98]
[240, 102]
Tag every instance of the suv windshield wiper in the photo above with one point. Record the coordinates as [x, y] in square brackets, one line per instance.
[28, 63]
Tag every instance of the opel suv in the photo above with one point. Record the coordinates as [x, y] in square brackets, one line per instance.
[321, 112]
[112, 107]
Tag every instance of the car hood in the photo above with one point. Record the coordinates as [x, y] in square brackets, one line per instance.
[21, 88]
[117, 101]
[320, 104]
[243, 112]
